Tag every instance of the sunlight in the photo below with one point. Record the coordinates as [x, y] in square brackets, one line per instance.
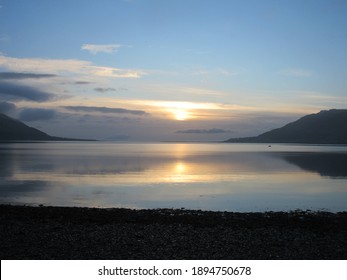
[181, 111]
[180, 167]
[181, 115]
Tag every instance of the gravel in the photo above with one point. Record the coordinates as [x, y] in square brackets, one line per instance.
[92, 233]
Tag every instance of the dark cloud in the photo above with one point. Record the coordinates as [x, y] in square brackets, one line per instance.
[204, 131]
[82, 83]
[36, 114]
[12, 91]
[22, 76]
[105, 110]
[7, 107]
[99, 89]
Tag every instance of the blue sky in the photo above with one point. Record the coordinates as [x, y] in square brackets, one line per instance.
[197, 70]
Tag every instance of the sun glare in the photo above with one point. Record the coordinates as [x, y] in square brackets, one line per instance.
[181, 115]
[180, 167]
[180, 110]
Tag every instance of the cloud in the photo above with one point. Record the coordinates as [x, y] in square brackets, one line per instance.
[82, 83]
[204, 131]
[105, 110]
[37, 114]
[63, 66]
[103, 90]
[22, 76]
[12, 91]
[99, 89]
[94, 49]
[7, 107]
[115, 72]
[43, 65]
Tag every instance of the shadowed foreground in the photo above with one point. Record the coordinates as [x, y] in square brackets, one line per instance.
[90, 233]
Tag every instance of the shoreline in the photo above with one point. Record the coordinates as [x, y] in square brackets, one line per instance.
[48, 232]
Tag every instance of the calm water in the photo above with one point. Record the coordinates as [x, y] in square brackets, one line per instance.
[234, 177]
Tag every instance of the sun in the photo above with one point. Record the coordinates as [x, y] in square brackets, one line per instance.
[181, 114]
[179, 110]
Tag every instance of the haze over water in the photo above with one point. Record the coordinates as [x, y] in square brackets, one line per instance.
[213, 176]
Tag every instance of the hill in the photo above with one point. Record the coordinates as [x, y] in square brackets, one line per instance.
[325, 127]
[11, 129]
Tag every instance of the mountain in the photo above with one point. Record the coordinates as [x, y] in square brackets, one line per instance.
[325, 127]
[11, 129]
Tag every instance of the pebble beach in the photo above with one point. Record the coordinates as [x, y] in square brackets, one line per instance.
[72, 233]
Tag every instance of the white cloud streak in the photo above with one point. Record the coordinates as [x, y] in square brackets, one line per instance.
[65, 66]
[95, 49]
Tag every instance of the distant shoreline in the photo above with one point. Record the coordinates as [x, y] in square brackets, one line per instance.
[171, 142]
[48, 141]
[92, 233]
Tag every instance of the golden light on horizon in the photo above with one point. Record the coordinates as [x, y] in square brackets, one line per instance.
[181, 111]
[181, 114]
[175, 110]
[180, 167]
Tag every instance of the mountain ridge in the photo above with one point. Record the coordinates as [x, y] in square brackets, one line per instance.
[15, 130]
[325, 127]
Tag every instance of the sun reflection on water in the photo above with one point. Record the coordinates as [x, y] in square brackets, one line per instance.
[180, 167]
[167, 175]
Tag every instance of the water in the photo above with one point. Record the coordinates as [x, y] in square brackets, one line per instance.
[233, 177]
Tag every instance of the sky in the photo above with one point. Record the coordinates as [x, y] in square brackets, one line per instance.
[185, 70]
